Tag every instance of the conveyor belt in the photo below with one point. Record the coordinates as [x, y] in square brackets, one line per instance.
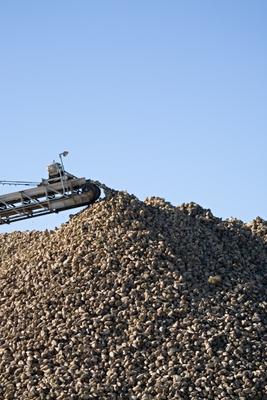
[46, 199]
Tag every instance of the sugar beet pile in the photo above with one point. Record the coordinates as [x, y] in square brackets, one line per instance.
[135, 300]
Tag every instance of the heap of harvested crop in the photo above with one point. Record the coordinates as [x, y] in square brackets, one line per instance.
[134, 300]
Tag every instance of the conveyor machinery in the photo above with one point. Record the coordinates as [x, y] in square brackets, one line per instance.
[61, 191]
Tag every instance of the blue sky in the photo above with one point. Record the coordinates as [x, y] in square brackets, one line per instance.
[164, 98]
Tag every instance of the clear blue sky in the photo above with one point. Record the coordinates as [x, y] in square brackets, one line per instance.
[165, 98]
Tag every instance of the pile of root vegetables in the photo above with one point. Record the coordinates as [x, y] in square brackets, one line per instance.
[135, 300]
